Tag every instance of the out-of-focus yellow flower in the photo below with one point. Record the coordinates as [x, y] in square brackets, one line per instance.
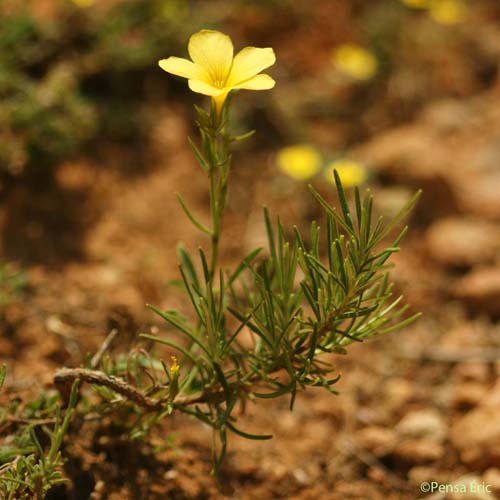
[301, 162]
[214, 71]
[355, 61]
[448, 11]
[416, 4]
[84, 3]
[174, 369]
[351, 172]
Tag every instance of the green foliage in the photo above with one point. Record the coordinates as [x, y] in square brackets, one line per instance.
[304, 299]
[268, 328]
[27, 471]
[12, 284]
[73, 78]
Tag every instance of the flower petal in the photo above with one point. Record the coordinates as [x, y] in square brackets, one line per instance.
[212, 51]
[204, 88]
[249, 62]
[258, 82]
[181, 67]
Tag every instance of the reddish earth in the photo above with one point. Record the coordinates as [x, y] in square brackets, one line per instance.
[98, 243]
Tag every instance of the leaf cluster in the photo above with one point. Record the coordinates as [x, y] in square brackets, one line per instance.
[266, 328]
[27, 471]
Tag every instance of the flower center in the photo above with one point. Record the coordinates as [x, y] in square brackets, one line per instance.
[219, 83]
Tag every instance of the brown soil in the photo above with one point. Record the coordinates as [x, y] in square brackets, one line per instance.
[98, 244]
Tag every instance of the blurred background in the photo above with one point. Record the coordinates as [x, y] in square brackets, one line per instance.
[396, 94]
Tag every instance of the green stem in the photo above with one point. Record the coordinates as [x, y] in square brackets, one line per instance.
[217, 153]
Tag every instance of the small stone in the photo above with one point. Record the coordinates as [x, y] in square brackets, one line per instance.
[468, 395]
[300, 476]
[477, 437]
[416, 451]
[459, 242]
[427, 423]
[475, 371]
[379, 440]
[492, 478]
[425, 474]
[492, 397]
[171, 474]
[398, 392]
[480, 290]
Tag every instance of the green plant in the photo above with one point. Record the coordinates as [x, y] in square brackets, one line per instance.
[300, 299]
[26, 471]
[79, 76]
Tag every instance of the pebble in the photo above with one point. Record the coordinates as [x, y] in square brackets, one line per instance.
[473, 371]
[468, 394]
[398, 392]
[419, 451]
[480, 290]
[460, 242]
[492, 478]
[379, 440]
[426, 423]
[425, 474]
[477, 437]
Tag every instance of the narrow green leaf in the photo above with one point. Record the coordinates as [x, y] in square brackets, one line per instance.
[187, 265]
[250, 325]
[191, 216]
[331, 210]
[243, 265]
[199, 156]
[256, 437]
[242, 137]
[359, 211]
[3, 374]
[170, 343]
[204, 264]
[343, 200]
[168, 317]
[408, 207]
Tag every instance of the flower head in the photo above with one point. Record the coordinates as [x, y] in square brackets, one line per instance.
[351, 172]
[174, 369]
[214, 71]
[355, 61]
[448, 11]
[301, 162]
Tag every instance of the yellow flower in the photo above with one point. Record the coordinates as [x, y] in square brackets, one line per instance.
[214, 71]
[174, 369]
[351, 172]
[448, 11]
[301, 162]
[355, 61]
[416, 4]
[84, 3]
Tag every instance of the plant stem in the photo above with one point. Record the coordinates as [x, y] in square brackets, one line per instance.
[217, 153]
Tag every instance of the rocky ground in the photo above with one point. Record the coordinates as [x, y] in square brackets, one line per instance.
[422, 405]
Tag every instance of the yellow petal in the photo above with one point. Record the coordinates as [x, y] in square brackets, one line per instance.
[355, 61]
[181, 67]
[249, 62]
[204, 88]
[351, 172]
[219, 100]
[301, 162]
[258, 82]
[448, 11]
[212, 51]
